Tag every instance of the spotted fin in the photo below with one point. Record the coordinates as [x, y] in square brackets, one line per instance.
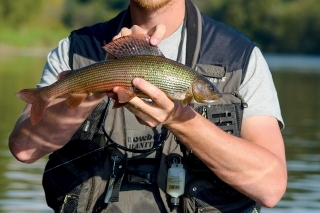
[39, 103]
[125, 95]
[135, 44]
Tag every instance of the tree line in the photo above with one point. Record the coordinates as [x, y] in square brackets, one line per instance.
[282, 26]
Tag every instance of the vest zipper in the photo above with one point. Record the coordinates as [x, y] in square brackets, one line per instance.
[237, 95]
[66, 198]
[200, 210]
[90, 194]
[204, 112]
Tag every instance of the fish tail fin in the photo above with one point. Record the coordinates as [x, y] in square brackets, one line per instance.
[39, 105]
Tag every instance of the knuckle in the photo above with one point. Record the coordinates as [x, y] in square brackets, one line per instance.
[124, 31]
[138, 107]
[136, 29]
[160, 27]
[115, 37]
[152, 124]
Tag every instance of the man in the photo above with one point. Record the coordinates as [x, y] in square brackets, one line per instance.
[224, 172]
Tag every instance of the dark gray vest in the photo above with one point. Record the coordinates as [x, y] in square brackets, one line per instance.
[214, 50]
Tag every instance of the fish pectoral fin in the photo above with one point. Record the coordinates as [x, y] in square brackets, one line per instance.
[125, 95]
[116, 104]
[75, 99]
[187, 100]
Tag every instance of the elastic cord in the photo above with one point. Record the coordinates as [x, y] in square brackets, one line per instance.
[114, 143]
[179, 56]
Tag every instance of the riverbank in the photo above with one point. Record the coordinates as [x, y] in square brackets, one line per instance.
[275, 61]
[293, 62]
[7, 51]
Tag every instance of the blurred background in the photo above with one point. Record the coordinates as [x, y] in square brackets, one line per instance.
[287, 32]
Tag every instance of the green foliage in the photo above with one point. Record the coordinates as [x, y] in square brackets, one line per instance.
[16, 73]
[299, 27]
[253, 18]
[286, 26]
[18, 12]
[36, 36]
[78, 13]
[31, 23]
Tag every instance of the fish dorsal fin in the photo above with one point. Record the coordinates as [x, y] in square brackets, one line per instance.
[134, 44]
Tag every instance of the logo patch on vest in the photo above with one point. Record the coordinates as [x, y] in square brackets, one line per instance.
[146, 139]
[141, 137]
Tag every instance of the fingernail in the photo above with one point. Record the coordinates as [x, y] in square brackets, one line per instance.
[154, 41]
[135, 81]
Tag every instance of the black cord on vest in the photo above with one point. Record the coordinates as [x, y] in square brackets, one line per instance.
[179, 56]
[114, 143]
[159, 146]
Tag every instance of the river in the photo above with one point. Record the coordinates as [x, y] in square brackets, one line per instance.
[297, 79]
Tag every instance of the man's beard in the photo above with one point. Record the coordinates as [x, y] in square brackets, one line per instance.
[151, 4]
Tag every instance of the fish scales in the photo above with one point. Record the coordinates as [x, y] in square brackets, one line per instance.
[176, 80]
[104, 76]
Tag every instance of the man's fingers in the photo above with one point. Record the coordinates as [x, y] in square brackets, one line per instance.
[124, 32]
[158, 97]
[135, 29]
[112, 95]
[157, 34]
[139, 111]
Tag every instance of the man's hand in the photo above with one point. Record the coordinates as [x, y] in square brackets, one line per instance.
[161, 110]
[156, 33]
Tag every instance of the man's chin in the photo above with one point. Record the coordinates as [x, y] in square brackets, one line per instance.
[151, 4]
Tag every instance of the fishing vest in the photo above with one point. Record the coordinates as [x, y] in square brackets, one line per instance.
[93, 170]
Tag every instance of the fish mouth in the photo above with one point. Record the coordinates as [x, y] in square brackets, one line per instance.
[204, 102]
[209, 101]
[204, 92]
[206, 99]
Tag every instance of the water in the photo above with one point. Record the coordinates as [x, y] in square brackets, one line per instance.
[299, 93]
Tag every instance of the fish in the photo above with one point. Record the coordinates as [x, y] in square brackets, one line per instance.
[131, 57]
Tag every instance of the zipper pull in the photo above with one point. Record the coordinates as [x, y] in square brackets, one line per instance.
[66, 198]
[237, 95]
[112, 179]
[200, 210]
[110, 188]
[204, 112]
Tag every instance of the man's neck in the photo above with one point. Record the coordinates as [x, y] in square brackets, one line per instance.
[171, 15]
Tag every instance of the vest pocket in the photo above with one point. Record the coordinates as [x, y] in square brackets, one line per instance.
[204, 195]
[77, 183]
[71, 175]
[67, 191]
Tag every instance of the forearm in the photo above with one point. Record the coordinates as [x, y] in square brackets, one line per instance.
[245, 165]
[253, 164]
[29, 143]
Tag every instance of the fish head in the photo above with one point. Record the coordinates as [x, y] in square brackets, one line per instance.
[204, 91]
